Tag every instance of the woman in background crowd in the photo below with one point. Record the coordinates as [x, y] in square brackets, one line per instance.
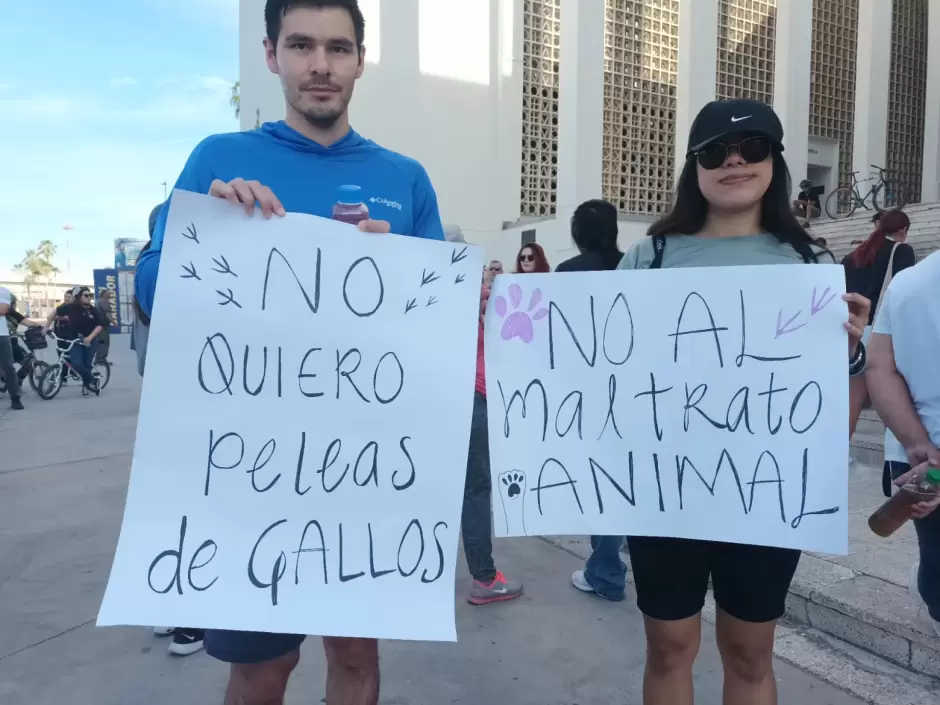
[531, 260]
[594, 232]
[869, 269]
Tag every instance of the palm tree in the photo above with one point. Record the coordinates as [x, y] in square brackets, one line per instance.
[47, 251]
[235, 100]
[36, 264]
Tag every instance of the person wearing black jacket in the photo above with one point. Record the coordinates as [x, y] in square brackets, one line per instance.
[85, 325]
[594, 231]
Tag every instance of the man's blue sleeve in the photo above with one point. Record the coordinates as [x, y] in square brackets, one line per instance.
[427, 216]
[196, 176]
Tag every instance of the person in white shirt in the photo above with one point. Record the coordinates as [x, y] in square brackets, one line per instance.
[903, 377]
[6, 351]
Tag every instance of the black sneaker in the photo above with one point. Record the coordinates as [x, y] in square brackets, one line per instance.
[186, 641]
[17, 404]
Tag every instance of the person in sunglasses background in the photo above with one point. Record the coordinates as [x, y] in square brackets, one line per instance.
[531, 260]
[732, 207]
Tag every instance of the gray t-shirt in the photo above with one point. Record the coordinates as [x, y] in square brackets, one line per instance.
[694, 251]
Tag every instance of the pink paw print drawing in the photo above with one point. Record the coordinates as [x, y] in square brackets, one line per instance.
[519, 324]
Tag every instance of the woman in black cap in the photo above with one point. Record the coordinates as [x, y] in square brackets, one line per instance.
[732, 207]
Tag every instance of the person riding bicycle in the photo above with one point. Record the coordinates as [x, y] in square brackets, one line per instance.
[15, 319]
[80, 320]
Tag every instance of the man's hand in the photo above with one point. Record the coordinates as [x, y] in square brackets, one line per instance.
[87, 341]
[923, 453]
[921, 509]
[859, 309]
[376, 227]
[246, 194]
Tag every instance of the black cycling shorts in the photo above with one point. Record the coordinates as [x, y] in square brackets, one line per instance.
[671, 578]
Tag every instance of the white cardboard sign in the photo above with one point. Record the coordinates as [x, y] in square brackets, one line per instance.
[304, 423]
[705, 403]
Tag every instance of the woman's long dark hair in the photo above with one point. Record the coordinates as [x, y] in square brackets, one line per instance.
[690, 209]
[888, 224]
[541, 261]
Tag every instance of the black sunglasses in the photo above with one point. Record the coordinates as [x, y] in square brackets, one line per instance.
[527, 258]
[753, 150]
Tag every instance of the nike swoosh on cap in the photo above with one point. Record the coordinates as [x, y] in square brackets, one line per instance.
[739, 119]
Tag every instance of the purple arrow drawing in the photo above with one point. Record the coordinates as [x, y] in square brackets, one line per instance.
[784, 328]
[820, 303]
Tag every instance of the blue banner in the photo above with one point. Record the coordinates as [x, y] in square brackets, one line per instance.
[126, 252]
[108, 279]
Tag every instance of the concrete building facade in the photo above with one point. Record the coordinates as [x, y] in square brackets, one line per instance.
[521, 109]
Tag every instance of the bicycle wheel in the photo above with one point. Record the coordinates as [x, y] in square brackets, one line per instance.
[50, 383]
[841, 203]
[35, 373]
[891, 196]
[102, 373]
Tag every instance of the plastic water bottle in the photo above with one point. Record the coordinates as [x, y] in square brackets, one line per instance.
[349, 207]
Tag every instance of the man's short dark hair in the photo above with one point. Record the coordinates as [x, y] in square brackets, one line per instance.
[274, 11]
[594, 226]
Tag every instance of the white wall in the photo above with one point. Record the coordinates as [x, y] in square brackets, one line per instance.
[464, 124]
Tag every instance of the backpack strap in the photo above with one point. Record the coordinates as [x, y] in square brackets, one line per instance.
[659, 244]
[804, 250]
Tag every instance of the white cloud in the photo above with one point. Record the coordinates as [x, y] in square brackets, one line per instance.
[123, 81]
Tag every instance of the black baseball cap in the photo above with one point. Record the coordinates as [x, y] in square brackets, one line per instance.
[721, 118]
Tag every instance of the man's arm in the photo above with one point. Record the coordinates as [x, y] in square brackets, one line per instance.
[196, 176]
[426, 213]
[890, 395]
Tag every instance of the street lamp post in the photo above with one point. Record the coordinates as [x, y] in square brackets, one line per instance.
[68, 228]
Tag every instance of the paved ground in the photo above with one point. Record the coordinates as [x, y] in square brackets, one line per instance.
[63, 473]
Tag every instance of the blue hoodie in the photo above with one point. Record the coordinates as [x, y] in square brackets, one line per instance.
[304, 176]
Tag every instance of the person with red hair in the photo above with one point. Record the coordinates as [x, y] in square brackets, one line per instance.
[869, 269]
[531, 260]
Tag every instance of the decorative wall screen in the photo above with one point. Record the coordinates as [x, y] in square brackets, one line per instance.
[907, 94]
[641, 47]
[833, 67]
[747, 30]
[540, 51]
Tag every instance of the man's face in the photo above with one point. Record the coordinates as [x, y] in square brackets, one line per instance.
[318, 62]
[496, 267]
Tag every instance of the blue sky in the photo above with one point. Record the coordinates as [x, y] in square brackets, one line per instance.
[100, 102]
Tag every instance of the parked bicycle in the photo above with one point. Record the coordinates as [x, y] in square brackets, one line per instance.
[52, 379]
[886, 195]
[31, 367]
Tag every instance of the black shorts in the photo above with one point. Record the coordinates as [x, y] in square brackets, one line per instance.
[249, 647]
[671, 578]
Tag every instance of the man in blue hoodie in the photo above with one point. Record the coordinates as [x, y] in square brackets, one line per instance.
[316, 49]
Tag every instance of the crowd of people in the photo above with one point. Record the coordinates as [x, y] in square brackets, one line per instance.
[79, 317]
[732, 207]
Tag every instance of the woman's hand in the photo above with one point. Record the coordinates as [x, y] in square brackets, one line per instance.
[859, 310]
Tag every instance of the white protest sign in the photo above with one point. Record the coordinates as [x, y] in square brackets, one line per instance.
[303, 432]
[691, 403]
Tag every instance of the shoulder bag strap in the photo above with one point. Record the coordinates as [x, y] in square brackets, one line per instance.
[659, 244]
[889, 275]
